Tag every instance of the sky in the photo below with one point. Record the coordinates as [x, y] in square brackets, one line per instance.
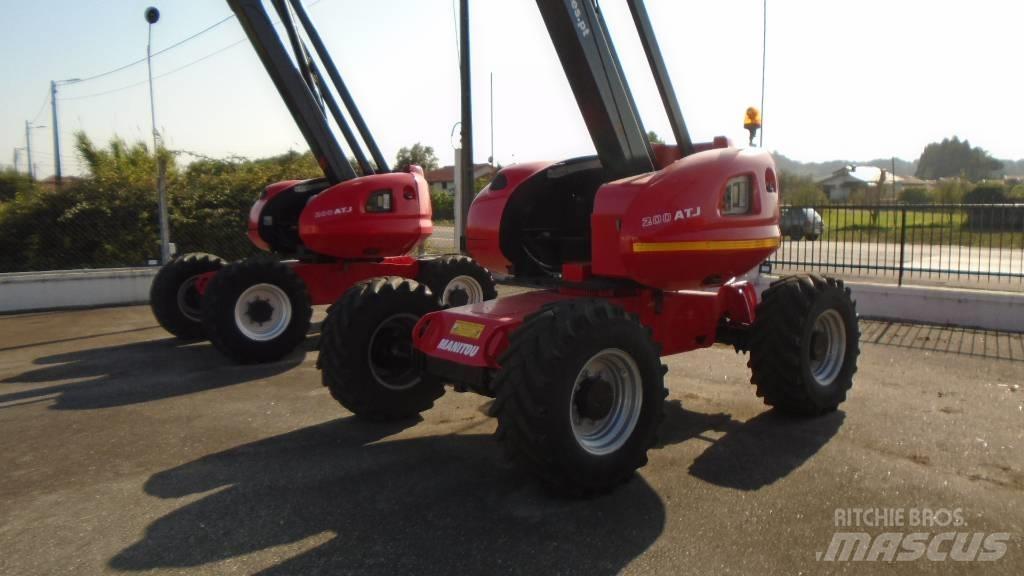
[853, 80]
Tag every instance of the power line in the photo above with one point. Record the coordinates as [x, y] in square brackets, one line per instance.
[41, 108]
[157, 77]
[158, 52]
[178, 69]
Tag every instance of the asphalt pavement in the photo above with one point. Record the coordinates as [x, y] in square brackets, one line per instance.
[123, 450]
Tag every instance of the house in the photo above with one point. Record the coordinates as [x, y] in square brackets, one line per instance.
[443, 179]
[846, 181]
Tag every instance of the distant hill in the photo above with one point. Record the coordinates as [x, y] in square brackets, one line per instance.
[819, 170]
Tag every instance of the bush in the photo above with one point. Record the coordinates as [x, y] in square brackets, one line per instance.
[950, 191]
[987, 193]
[915, 196]
[799, 190]
[13, 183]
[443, 205]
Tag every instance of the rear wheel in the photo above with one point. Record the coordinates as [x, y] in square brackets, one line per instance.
[804, 345]
[811, 237]
[367, 356]
[795, 233]
[256, 310]
[457, 280]
[173, 297]
[580, 395]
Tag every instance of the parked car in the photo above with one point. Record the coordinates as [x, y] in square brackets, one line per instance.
[800, 223]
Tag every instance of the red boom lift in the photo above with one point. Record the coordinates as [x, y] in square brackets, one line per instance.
[641, 248]
[338, 230]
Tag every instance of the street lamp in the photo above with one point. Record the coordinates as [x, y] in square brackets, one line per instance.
[152, 17]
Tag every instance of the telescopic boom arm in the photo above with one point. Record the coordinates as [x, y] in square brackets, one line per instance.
[305, 90]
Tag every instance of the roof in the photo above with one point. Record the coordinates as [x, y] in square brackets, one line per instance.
[447, 173]
[851, 173]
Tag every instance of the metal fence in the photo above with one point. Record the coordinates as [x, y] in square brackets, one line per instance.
[968, 244]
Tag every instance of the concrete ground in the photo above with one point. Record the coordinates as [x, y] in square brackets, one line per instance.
[125, 451]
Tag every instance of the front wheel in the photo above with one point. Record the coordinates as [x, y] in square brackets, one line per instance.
[804, 345]
[256, 310]
[367, 355]
[579, 396]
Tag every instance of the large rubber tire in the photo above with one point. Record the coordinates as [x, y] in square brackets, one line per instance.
[256, 310]
[811, 237]
[804, 345]
[367, 358]
[457, 280]
[175, 302]
[796, 233]
[543, 396]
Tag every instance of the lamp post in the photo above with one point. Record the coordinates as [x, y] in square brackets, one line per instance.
[152, 17]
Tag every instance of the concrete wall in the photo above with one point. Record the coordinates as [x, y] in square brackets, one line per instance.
[983, 309]
[74, 288]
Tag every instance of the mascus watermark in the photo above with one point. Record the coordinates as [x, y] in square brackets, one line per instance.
[933, 534]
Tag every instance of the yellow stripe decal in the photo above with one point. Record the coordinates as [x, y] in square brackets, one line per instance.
[706, 246]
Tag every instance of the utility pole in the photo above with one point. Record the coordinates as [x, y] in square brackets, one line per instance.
[56, 135]
[465, 176]
[57, 175]
[28, 148]
[491, 159]
[153, 16]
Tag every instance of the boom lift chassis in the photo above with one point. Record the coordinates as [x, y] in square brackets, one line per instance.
[335, 232]
[643, 248]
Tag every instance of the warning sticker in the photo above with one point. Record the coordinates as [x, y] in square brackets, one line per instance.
[470, 330]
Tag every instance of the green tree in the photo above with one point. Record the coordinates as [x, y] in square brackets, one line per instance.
[1017, 193]
[653, 137]
[799, 190]
[952, 158]
[418, 154]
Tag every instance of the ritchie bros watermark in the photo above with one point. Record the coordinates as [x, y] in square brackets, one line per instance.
[908, 535]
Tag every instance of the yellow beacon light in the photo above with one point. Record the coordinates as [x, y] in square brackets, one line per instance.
[752, 122]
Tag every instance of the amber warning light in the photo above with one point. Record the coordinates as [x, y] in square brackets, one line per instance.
[752, 122]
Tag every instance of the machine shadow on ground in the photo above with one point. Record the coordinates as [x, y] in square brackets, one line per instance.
[135, 373]
[748, 455]
[437, 504]
[440, 504]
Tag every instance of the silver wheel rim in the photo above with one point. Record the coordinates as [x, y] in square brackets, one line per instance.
[466, 285]
[602, 426]
[390, 353]
[828, 347]
[263, 312]
[185, 296]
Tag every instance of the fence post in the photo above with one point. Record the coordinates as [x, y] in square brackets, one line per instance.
[903, 241]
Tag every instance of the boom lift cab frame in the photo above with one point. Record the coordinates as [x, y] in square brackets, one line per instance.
[641, 250]
[336, 231]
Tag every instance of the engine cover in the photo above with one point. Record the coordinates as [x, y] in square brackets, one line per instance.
[369, 217]
[700, 221]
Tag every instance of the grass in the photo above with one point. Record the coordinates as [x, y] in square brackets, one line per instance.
[922, 227]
